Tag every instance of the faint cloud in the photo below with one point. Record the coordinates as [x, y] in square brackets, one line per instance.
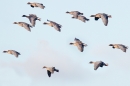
[46, 56]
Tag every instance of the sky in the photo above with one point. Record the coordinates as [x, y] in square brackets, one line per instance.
[44, 46]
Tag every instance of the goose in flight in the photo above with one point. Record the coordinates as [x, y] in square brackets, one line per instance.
[74, 13]
[32, 18]
[50, 70]
[34, 4]
[81, 18]
[103, 16]
[98, 64]
[53, 24]
[25, 25]
[119, 46]
[79, 44]
[12, 52]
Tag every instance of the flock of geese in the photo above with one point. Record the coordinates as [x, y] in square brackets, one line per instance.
[79, 44]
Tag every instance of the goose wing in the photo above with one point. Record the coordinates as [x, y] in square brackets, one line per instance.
[32, 19]
[15, 53]
[57, 27]
[26, 26]
[40, 5]
[96, 65]
[80, 47]
[82, 18]
[77, 40]
[49, 73]
[122, 47]
[104, 18]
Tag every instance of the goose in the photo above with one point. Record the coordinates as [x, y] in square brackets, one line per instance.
[74, 13]
[32, 18]
[50, 70]
[103, 16]
[119, 46]
[34, 4]
[12, 52]
[53, 24]
[25, 25]
[82, 18]
[98, 64]
[79, 44]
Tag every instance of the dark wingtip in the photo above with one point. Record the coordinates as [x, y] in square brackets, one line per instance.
[87, 19]
[82, 13]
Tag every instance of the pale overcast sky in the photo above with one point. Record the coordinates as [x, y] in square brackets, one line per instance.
[44, 46]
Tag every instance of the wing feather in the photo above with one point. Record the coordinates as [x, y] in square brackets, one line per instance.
[104, 18]
[40, 5]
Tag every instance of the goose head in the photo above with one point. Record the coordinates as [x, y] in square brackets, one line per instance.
[67, 12]
[15, 23]
[92, 16]
[110, 44]
[24, 16]
[4, 51]
[28, 3]
[45, 23]
[91, 62]
[44, 67]
[71, 43]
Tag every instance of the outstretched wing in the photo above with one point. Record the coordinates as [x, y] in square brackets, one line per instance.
[104, 18]
[49, 73]
[82, 18]
[32, 19]
[80, 47]
[40, 5]
[57, 27]
[15, 53]
[77, 40]
[26, 26]
[96, 65]
[122, 47]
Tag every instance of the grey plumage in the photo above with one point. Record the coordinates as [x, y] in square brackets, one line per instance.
[12, 52]
[103, 16]
[32, 18]
[82, 18]
[50, 70]
[34, 4]
[25, 25]
[40, 5]
[119, 46]
[74, 13]
[98, 64]
[54, 24]
[79, 44]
